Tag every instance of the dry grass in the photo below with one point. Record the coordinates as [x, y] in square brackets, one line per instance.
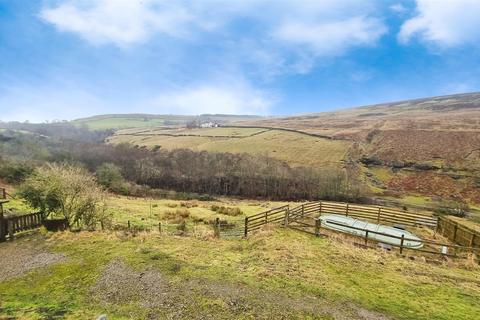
[294, 148]
[276, 273]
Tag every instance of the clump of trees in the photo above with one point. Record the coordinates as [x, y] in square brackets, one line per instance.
[110, 176]
[66, 191]
[15, 171]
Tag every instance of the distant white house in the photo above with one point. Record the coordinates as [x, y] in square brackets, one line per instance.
[208, 125]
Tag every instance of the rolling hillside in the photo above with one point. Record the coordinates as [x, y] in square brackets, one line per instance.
[415, 151]
[295, 148]
[122, 121]
[428, 147]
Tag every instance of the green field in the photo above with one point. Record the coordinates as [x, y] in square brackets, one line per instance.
[202, 132]
[279, 274]
[119, 123]
[295, 148]
[122, 121]
[147, 213]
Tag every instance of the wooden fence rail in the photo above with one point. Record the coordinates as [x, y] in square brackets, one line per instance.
[458, 233]
[256, 221]
[377, 214]
[434, 246]
[12, 225]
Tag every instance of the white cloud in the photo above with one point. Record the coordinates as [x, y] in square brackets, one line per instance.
[321, 28]
[237, 99]
[445, 23]
[332, 38]
[122, 22]
[398, 8]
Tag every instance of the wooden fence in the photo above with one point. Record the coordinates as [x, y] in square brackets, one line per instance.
[257, 221]
[429, 246]
[377, 214]
[458, 233]
[12, 225]
[3, 199]
[305, 218]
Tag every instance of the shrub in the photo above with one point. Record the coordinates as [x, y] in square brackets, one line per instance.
[453, 208]
[177, 215]
[15, 172]
[226, 211]
[110, 176]
[182, 227]
[188, 204]
[67, 191]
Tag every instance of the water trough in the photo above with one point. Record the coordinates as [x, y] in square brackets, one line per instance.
[376, 232]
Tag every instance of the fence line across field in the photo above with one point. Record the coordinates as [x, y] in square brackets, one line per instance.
[291, 217]
[377, 214]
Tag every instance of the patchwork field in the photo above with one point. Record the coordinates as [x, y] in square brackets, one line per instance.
[295, 148]
[121, 121]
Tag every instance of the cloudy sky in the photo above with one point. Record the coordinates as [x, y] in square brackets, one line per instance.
[64, 59]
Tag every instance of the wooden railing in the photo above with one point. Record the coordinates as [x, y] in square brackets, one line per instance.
[458, 233]
[3, 194]
[429, 246]
[258, 220]
[12, 225]
[377, 214]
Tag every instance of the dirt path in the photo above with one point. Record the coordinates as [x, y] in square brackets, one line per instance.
[20, 256]
[204, 299]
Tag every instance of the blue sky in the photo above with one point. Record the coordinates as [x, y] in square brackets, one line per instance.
[64, 59]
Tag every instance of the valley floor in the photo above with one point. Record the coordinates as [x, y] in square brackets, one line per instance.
[275, 274]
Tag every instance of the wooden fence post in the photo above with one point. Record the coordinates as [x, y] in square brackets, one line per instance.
[287, 214]
[160, 227]
[320, 208]
[128, 224]
[346, 211]
[366, 237]
[438, 225]
[246, 227]
[401, 243]
[266, 217]
[11, 228]
[303, 210]
[3, 228]
[318, 225]
[455, 228]
[217, 228]
[379, 213]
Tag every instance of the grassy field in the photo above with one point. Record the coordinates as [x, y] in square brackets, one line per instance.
[147, 213]
[118, 123]
[278, 274]
[295, 148]
[201, 132]
[274, 274]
